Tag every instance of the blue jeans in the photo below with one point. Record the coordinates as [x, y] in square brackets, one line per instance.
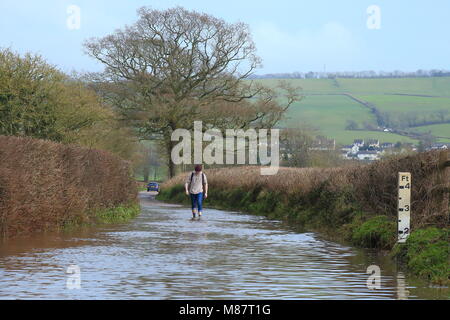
[197, 200]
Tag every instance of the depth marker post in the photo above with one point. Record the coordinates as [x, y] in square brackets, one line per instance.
[404, 206]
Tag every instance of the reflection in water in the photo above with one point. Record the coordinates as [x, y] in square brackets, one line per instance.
[402, 292]
[162, 254]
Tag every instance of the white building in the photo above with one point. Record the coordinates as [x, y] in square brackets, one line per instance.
[375, 143]
[368, 155]
[350, 149]
[439, 146]
[358, 142]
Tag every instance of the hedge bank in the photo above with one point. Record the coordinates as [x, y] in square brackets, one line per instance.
[45, 185]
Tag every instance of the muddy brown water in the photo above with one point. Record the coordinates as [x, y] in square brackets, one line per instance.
[163, 254]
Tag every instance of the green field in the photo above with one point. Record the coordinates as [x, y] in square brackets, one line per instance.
[400, 99]
[329, 114]
[439, 87]
[418, 86]
[423, 107]
[442, 131]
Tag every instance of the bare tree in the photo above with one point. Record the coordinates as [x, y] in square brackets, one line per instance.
[175, 66]
[295, 144]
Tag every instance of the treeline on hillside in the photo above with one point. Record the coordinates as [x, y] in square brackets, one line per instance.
[46, 185]
[355, 74]
[413, 119]
[402, 121]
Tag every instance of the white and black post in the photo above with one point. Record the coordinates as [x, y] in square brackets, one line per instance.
[404, 206]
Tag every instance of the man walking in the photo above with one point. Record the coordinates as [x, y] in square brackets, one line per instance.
[197, 187]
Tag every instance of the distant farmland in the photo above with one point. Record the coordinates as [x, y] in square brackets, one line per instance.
[442, 131]
[416, 104]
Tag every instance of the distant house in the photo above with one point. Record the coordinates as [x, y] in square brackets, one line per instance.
[375, 143]
[284, 150]
[323, 143]
[386, 145]
[367, 155]
[358, 142]
[347, 148]
[439, 146]
[349, 151]
[354, 150]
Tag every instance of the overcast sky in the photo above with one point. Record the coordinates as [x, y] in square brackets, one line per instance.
[290, 35]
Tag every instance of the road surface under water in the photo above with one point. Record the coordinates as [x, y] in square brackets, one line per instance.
[163, 254]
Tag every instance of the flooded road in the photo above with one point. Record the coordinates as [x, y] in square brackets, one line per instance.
[163, 254]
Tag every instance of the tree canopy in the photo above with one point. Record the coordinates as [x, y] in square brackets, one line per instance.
[174, 66]
[38, 100]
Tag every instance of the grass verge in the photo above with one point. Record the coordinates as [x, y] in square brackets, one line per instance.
[119, 214]
[427, 253]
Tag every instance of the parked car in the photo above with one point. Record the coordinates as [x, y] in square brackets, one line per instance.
[153, 186]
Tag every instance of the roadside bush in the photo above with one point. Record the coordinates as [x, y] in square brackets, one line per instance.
[427, 253]
[334, 194]
[376, 232]
[46, 185]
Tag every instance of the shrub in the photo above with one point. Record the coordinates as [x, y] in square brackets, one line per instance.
[121, 213]
[427, 253]
[46, 185]
[376, 232]
[335, 193]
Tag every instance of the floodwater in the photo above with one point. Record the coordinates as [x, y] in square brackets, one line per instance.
[163, 254]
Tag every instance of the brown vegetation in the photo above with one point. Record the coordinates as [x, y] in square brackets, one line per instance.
[45, 185]
[373, 187]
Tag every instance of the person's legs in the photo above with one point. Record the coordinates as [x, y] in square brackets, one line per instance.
[194, 200]
[200, 203]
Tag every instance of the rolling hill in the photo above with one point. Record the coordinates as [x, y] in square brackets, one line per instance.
[416, 105]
